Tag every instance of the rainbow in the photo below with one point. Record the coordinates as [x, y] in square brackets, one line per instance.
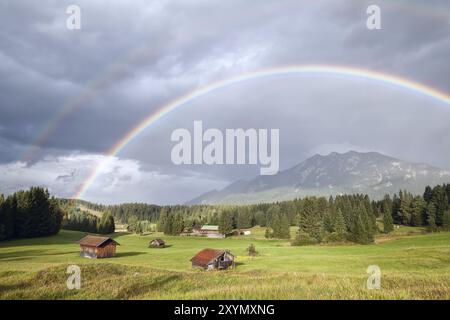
[327, 70]
[120, 67]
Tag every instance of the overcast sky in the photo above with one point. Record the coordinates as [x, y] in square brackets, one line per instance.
[131, 57]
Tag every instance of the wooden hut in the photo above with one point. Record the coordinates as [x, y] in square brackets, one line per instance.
[97, 247]
[211, 231]
[241, 232]
[157, 243]
[210, 259]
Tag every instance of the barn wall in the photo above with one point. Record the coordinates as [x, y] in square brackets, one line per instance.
[107, 251]
[88, 252]
[98, 252]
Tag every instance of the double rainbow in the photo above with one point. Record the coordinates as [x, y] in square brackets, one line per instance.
[119, 68]
[326, 70]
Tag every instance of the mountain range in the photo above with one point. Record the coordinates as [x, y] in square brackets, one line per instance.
[352, 172]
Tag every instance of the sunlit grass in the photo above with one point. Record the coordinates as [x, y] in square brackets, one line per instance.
[413, 267]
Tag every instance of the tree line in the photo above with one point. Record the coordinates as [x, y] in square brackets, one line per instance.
[316, 219]
[344, 218]
[141, 227]
[430, 210]
[80, 220]
[319, 219]
[30, 213]
[127, 213]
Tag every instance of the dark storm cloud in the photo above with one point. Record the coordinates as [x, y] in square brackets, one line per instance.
[129, 58]
[46, 67]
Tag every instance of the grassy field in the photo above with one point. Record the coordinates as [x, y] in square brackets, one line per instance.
[413, 265]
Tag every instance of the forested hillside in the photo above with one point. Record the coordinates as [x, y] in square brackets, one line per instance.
[319, 219]
[352, 218]
[27, 214]
[79, 220]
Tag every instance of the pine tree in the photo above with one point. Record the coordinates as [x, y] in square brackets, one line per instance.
[395, 209]
[447, 191]
[279, 223]
[362, 231]
[446, 221]
[284, 231]
[386, 205]
[431, 216]
[404, 212]
[40, 212]
[275, 223]
[106, 224]
[339, 227]
[427, 194]
[367, 229]
[418, 206]
[357, 230]
[303, 238]
[244, 218]
[388, 222]
[23, 223]
[178, 224]
[3, 218]
[110, 223]
[56, 217]
[226, 222]
[310, 223]
[305, 234]
[260, 218]
[168, 226]
[162, 221]
[440, 201]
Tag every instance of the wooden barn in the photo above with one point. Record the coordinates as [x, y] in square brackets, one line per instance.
[97, 247]
[210, 259]
[241, 232]
[157, 243]
[211, 231]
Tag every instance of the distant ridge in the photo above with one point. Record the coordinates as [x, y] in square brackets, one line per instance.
[352, 172]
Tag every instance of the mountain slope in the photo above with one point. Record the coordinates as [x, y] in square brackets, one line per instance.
[370, 173]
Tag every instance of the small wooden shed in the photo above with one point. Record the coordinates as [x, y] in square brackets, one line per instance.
[157, 243]
[210, 259]
[97, 247]
[212, 231]
[197, 229]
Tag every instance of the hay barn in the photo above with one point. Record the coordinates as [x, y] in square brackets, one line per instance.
[157, 243]
[210, 259]
[97, 247]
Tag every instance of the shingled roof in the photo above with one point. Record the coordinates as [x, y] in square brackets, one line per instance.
[210, 228]
[158, 241]
[205, 256]
[95, 241]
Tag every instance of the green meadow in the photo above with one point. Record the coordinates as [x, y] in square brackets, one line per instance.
[414, 265]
